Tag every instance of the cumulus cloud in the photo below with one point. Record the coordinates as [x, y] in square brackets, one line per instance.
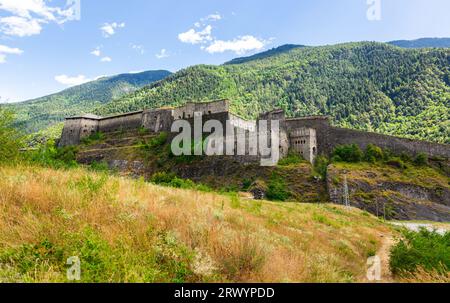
[97, 52]
[162, 54]
[6, 50]
[19, 26]
[196, 37]
[109, 29]
[240, 45]
[106, 59]
[27, 16]
[212, 45]
[72, 81]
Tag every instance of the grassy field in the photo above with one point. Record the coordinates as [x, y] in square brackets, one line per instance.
[127, 230]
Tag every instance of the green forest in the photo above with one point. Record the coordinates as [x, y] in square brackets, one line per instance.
[366, 86]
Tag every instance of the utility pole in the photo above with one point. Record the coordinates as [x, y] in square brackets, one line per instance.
[346, 194]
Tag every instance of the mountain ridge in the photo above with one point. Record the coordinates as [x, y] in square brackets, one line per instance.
[422, 43]
[369, 86]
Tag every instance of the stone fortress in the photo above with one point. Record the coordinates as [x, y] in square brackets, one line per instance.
[307, 136]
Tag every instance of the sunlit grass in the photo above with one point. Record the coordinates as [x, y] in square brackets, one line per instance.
[130, 231]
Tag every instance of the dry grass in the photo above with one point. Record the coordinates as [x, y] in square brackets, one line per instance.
[131, 231]
[423, 276]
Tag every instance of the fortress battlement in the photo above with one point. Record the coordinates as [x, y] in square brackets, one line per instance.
[307, 136]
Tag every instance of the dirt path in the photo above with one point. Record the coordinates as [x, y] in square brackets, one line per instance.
[384, 254]
[387, 241]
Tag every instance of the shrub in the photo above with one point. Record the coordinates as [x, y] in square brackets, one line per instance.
[405, 157]
[51, 156]
[321, 167]
[99, 166]
[291, 159]
[276, 190]
[93, 138]
[373, 153]
[426, 250]
[10, 139]
[246, 184]
[158, 141]
[172, 180]
[396, 162]
[421, 159]
[349, 153]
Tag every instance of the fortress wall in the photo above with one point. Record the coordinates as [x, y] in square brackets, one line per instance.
[320, 124]
[71, 133]
[122, 122]
[187, 111]
[88, 127]
[76, 129]
[342, 136]
[157, 120]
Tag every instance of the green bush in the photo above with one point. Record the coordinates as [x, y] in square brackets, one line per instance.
[348, 153]
[321, 166]
[93, 138]
[396, 162]
[99, 166]
[172, 180]
[277, 190]
[50, 155]
[425, 249]
[158, 141]
[291, 159]
[373, 154]
[10, 139]
[421, 159]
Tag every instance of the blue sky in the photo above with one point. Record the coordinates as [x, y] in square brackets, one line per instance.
[46, 46]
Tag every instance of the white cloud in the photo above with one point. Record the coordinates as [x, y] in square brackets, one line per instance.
[106, 59]
[240, 45]
[27, 16]
[97, 52]
[213, 17]
[109, 29]
[72, 81]
[6, 50]
[19, 26]
[162, 54]
[195, 37]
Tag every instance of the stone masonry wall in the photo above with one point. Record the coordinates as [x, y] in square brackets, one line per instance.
[342, 136]
[122, 122]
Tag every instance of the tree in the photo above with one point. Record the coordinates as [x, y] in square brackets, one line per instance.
[10, 139]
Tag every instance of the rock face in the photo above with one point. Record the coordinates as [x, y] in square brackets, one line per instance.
[399, 200]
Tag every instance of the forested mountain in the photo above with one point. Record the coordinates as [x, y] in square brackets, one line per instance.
[37, 114]
[368, 86]
[423, 43]
[269, 53]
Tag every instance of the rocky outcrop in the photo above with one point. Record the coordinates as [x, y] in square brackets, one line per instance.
[397, 200]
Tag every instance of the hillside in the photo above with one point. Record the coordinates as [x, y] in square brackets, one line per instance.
[367, 86]
[131, 231]
[423, 43]
[38, 114]
[412, 192]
